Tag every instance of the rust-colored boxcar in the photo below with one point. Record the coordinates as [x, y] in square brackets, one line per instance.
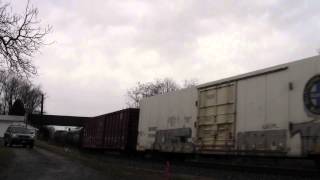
[114, 131]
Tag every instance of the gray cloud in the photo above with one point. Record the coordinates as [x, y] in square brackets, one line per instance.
[104, 47]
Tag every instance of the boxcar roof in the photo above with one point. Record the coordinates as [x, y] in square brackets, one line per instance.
[264, 71]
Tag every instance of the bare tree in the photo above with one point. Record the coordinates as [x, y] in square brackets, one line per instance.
[17, 108]
[159, 86]
[142, 90]
[31, 96]
[20, 38]
[165, 85]
[190, 83]
[11, 90]
[14, 88]
[135, 94]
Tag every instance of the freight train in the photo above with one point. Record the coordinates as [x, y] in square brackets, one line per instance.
[269, 112]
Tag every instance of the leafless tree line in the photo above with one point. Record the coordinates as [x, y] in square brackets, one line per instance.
[20, 38]
[159, 86]
[13, 87]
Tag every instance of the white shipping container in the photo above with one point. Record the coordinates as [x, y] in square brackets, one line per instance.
[274, 111]
[175, 112]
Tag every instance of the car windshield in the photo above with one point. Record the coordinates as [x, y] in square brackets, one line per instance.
[20, 130]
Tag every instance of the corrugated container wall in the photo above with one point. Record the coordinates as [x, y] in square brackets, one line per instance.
[167, 122]
[93, 133]
[274, 110]
[117, 130]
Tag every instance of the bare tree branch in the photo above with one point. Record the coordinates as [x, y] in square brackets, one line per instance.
[160, 86]
[20, 38]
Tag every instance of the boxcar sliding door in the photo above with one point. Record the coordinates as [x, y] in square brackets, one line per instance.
[216, 117]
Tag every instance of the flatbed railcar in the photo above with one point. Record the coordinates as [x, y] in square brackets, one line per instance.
[269, 112]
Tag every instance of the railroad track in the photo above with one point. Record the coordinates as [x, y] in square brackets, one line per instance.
[291, 168]
[212, 168]
[289, 171]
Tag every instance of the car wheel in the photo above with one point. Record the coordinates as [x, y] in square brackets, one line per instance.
[10, 143]
[31, 146]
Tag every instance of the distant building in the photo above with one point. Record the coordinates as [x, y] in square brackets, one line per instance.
[7, 120]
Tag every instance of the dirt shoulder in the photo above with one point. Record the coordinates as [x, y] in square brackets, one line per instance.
[36, 164]
[115, 169]
[6, 158]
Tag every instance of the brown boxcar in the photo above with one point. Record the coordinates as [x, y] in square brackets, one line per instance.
[114, 131]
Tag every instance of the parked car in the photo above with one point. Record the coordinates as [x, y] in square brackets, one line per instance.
[19, 135]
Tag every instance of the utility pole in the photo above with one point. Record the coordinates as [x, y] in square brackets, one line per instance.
[42, 101]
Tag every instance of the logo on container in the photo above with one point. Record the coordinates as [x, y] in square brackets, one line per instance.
[311, 95]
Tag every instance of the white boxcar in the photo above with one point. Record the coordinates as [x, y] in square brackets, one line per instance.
[274, 111]
[270, 111]
[167, 121]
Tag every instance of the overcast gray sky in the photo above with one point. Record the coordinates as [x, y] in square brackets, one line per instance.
[101, 48]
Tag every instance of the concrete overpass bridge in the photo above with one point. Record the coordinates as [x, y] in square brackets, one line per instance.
[38, 120]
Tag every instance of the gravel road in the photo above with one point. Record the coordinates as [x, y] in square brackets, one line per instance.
[36, 164]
